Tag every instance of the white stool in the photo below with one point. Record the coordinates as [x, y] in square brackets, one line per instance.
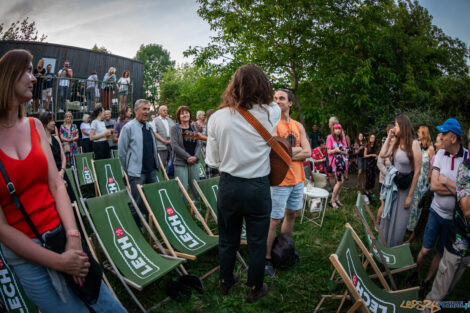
[311, 193]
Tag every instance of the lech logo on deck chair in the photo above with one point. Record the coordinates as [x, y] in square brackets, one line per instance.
[373, 303]
[175, 222]
[389, 258]
[87, 177]
[130, 252]
[12, 297]
[111, 185]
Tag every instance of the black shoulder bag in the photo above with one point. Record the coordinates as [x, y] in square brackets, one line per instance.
[55, 240]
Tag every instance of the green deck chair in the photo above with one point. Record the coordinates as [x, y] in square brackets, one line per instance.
[11, 292]
[109, 176]
[132, 259]
[368, 296]
[208, 190]
[84, 170]
[399, 258]
[168, 212]
[78, 195]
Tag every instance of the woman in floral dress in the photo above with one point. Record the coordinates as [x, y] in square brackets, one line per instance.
[427, 152]
[69, 136]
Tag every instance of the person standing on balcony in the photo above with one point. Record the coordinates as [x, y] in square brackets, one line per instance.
[109, 81]
[66, 74]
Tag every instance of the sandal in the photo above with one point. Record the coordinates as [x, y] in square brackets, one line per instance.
[333, 205]
[339, 203]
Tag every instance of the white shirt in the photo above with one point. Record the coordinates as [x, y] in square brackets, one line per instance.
[64, 82]
[123, 82]
[444, 205]
[99, 128]
[165, 123]
[85, 127]
[235, 147]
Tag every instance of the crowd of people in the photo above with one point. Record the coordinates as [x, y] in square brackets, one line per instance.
[409, 166]
[90, 91]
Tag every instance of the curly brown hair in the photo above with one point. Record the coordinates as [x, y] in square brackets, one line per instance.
[249, 86]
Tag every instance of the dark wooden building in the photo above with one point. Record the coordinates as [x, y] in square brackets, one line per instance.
[82, 61]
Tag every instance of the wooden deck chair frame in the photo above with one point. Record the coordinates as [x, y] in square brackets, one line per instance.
[165, 175]
[210, 211]
[359, 303]
[169, 248]
[113, 268]
[374, 244]
[97, 187]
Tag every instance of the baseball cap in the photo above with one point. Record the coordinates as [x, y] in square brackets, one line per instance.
[451, 125]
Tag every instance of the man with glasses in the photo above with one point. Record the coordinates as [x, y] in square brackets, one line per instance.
[66, 74]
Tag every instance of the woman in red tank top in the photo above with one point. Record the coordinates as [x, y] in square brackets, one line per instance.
[27, 158]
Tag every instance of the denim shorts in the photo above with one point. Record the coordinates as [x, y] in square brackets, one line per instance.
[436, 227]
[289, 197]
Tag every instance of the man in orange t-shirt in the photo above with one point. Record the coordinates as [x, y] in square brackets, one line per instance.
[287, 197]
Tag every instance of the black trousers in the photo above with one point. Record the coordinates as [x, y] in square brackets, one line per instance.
[238, 199]
[101, 150]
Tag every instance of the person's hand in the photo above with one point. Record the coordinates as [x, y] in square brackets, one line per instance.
[75, 263]
[167, 142]
[408, 202]
[192, 160]
[75, 244]
[391, 133]
[109, 131]
[379, 215]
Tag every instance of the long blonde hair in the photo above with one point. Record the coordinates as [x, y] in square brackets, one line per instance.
[426, 140]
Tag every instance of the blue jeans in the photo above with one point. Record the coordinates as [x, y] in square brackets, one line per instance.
[38, 287]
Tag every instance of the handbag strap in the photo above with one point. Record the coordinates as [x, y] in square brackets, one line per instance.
[270, 140]
[18, 204]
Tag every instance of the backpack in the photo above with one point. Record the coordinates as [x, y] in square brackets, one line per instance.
[283, 254]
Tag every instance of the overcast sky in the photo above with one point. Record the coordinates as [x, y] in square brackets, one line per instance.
[123, 25]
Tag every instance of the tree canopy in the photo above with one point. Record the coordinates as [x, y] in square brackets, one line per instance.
[362, 60]
[100, 49]
[21, 30]
[156, 61]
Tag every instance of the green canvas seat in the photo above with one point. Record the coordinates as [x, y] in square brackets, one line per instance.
[84, 169]
[115, 153]
[109, 176]
[135, 259]
[370, 296]
[396, 257]
[169, 212]
[11, 292]
[76, 190]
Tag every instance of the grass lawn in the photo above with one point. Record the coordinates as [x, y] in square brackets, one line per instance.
[295, 290]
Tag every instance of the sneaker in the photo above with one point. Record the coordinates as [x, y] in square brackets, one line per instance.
[269, 269]
[225, 286]
[424, 288]
[257, 293]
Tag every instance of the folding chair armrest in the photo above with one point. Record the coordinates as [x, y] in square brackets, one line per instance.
[403, 245]
[405, 290]
[215, 236]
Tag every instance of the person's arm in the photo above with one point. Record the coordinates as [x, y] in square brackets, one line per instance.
[62, 200]
[302, 152]
[74, 138]
[84, 131]
[431, 153]
[63, 160]
[329, 146]
[381, 165]
[212, 148]
[180, 151]
[62, 138]
[417, 169]
[96, 137]
[437, 186]
[123, 143]
[161, 139]
[448, 183]
[465, 206]
[387, 147]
